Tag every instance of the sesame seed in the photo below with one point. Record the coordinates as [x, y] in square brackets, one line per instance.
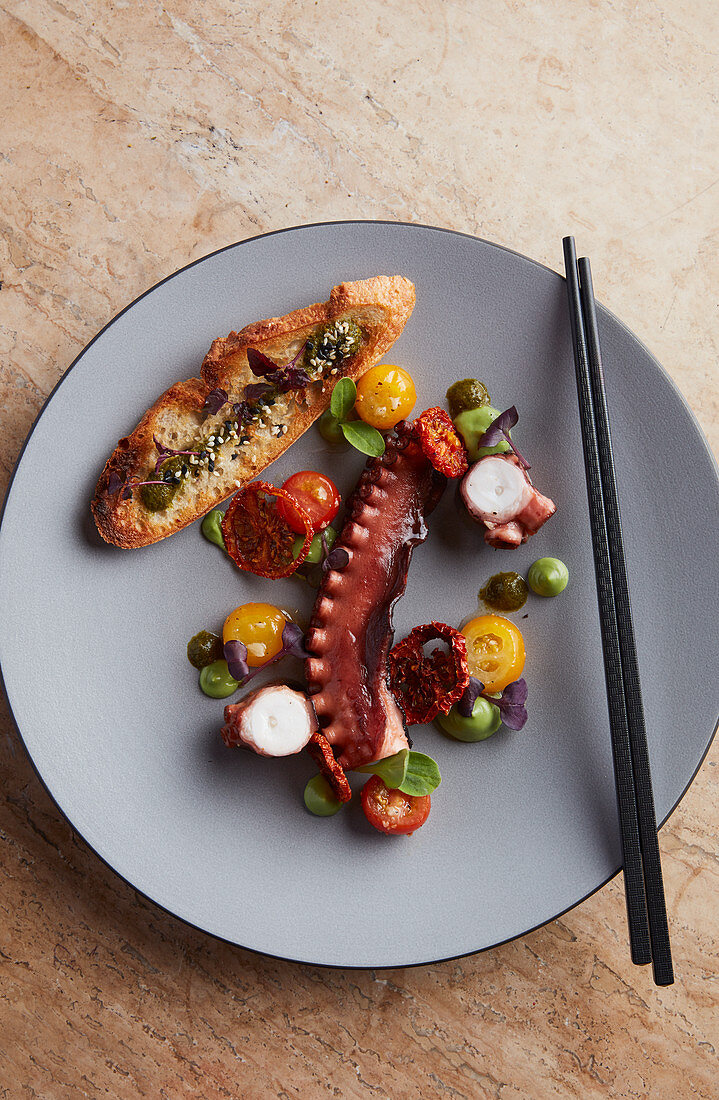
[211, 440]
[334, 370]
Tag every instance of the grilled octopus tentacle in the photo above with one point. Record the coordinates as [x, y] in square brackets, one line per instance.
[350, 631]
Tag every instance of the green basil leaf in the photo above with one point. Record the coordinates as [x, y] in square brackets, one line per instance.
[343, 398]
[422, 775]
[392, 769]
[363, 437]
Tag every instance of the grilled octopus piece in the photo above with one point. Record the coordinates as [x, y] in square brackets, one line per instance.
[350, 631]
[498, 493]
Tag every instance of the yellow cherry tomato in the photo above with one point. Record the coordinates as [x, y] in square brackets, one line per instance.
[385, 395]
[259, 626]
[495, 651]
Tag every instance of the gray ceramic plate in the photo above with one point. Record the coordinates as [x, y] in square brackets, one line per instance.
[524, 825]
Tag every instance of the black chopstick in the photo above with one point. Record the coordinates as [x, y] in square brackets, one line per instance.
[644, 889]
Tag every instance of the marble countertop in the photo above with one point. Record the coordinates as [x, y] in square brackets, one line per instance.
[137, 137]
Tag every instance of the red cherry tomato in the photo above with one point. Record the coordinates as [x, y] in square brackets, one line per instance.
[316, 494]
[391, 811]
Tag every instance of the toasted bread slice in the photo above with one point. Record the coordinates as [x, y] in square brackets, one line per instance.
[178, 421]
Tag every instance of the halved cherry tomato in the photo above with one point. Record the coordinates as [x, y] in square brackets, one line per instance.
[259, 627]
[392, 811]
[316, 494]
[385, 395]
[495, 651]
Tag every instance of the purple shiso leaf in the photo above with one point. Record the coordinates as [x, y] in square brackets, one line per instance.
[236, 656]
[257, 389]
[260, 364]
[511, 704]
[498, 432]
[114, 482]
[473, 690]
[242, 411]
[289, 377]
[164, 452]
[214, 401]
[337, 559]
[293, 641]
[515, 694]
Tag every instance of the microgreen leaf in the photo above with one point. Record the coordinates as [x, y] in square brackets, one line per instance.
[236, 656]
[363, 437]
[293, 641]
[391, 770]
[257, 389]
[260, 363]
[343, 398]
[413, 773]
[214, 401]
[511, 704]
[498, 432]
[114, 482]
[422, 775]
[473, 690]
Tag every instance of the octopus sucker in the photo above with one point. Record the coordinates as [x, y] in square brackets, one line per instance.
[351, 626]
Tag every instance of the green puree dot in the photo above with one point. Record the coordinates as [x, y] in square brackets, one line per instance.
[548, 576]
[211, 527]
[215, 680]
[320, 798]
[486, 720]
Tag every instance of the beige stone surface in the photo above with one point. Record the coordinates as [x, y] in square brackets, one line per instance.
[135, 137]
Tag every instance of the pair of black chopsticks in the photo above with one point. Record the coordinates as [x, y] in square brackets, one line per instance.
[644, 888]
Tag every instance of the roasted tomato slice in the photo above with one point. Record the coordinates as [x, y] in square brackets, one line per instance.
[441, 442]
[425, 686]
[392, 811]
[257, 536]
[317, 494]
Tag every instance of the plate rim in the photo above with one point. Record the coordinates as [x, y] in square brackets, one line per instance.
[200, 259]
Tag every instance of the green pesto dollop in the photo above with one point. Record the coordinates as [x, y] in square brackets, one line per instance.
[332, 343]
[548, 576]
[485, 720]
[204, 649]
[470, 393]
[471, 425]
[211, 527]
[215, 680]
[156, 497]
[505, 592]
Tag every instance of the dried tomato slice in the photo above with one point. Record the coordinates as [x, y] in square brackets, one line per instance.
[320, 750]
[427, 686]
[441, 442]
[257, 537]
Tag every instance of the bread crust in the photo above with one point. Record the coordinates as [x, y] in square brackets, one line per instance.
[382, 305]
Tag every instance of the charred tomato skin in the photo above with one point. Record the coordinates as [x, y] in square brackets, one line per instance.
[391, 811]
